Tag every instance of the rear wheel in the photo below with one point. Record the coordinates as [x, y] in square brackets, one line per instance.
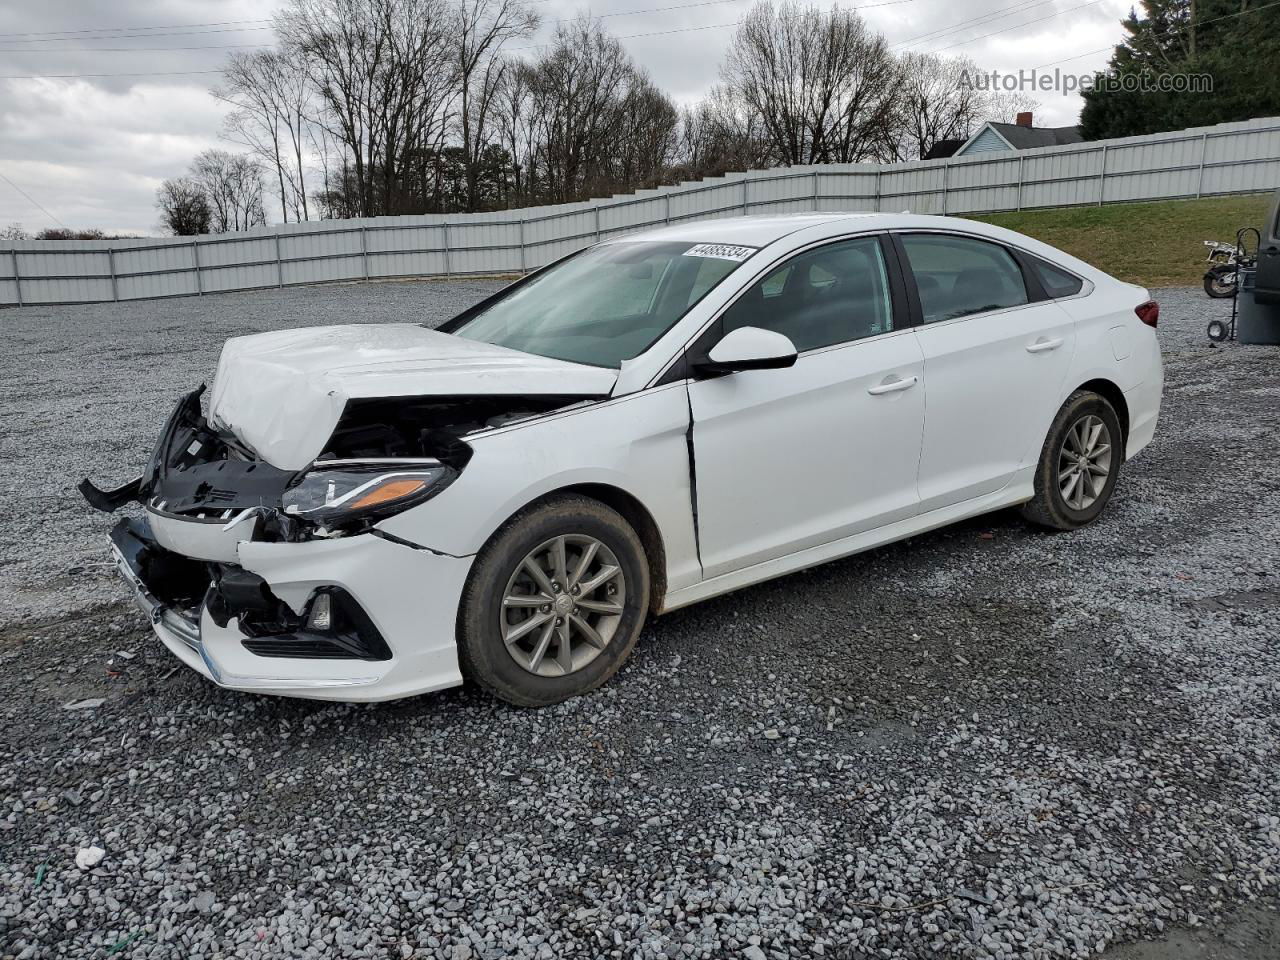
[555, 602]
[1079, 464]
[1220, 282]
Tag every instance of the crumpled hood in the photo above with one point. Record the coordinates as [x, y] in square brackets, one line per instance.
[282, 393]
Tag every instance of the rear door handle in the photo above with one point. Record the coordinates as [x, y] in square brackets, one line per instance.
[1043, 345]
[892, 384]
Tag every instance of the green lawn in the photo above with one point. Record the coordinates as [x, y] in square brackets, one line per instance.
[1154, 244]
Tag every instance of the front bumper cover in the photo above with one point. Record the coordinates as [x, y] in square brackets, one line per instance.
[410, 595]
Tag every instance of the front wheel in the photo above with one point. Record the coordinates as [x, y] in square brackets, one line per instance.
[1079, 464]
[554, 603]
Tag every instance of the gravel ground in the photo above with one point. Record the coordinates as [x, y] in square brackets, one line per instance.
[986, 742]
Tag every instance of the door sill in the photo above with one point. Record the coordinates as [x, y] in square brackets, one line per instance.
[1010, 495]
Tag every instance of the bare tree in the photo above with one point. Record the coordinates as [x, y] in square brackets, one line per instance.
[14, 231]
[384, 76]
[822, 84]
[271, 96]
[184, 211]
[232, 186]
[935, 103]
[483, 27]
[581, 92]
[717, 135]
[517, 129]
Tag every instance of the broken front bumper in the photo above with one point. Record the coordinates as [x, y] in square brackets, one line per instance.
[410, 596]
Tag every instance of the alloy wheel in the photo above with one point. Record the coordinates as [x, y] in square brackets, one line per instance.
[1084, 462]
[562, 605]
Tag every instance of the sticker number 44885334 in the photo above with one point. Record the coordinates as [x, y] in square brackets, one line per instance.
[720, 251]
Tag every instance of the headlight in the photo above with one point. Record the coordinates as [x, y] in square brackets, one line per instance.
[364, 491]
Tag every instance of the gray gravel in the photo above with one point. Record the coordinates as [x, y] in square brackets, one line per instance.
[986, 742]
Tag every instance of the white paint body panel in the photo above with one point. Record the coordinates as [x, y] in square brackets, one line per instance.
[989, 398]
[793, 467]
[282, 393]
[791, 458]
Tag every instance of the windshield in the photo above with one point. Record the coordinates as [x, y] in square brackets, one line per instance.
[608, 304]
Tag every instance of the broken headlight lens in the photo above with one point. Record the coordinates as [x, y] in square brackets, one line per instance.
[354, 491]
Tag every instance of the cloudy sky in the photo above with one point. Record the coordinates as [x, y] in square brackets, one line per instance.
[100, 101]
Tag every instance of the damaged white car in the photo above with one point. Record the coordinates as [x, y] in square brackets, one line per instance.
[371, 512]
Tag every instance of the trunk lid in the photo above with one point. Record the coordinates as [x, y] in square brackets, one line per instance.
[282, 393]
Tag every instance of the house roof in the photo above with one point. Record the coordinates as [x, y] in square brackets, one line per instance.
[1024, 138]
[943, 148]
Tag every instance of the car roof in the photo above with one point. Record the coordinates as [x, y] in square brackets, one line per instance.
[751, 231]
[763, 231]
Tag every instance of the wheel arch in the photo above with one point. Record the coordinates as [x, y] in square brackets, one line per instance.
[1111, 392]
[637, 515]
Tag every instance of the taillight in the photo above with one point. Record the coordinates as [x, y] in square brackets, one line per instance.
[1148, 313]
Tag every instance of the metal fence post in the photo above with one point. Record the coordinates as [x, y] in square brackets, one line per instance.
[279, 264]
[946, 178]
[1021, 160]
[666, 217]
[17, 279]
[445, 225]
[597, 223]
[815, 191]
[111, 265]
[1204, 149]
[876, 201]
[1102, 176]
[523, 257]
[364, 252]
[195, 260]
[744, 196]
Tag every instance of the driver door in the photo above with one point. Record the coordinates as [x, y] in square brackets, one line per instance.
[793, 458]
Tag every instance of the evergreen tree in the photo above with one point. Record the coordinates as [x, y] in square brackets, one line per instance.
[1234, 42]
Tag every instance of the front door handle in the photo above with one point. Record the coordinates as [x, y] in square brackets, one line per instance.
[892, 384]
[1044, 345]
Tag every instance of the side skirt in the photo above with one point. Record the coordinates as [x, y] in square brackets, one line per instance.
[1016, 492]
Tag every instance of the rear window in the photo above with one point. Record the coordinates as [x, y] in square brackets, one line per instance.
[1056, 281]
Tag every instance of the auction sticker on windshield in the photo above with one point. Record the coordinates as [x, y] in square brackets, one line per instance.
[720, 251]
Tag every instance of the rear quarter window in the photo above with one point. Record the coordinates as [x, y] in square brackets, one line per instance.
[1056, 281]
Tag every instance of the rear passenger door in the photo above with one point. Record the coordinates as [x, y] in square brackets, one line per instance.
[996, 355]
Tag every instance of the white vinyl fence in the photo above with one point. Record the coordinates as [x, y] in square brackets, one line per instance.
[1204, 161]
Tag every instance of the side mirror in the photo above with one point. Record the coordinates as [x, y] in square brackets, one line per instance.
[748, 348]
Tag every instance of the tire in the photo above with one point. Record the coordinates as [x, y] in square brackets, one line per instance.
[498, 646]
[1217, 331]
[1058, 504]
[1220, 282]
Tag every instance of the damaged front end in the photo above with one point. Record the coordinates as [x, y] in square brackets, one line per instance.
[207, 495]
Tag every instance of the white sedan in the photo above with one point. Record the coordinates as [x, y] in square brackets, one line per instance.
[371, 512]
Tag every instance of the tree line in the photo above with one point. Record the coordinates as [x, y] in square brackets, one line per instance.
[378, 107]
[1234, 42]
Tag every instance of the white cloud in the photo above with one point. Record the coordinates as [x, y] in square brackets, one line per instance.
[93, 150]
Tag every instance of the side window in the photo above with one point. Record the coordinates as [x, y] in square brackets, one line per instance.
[1056, 281]
[830, 295]
[957, 276]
